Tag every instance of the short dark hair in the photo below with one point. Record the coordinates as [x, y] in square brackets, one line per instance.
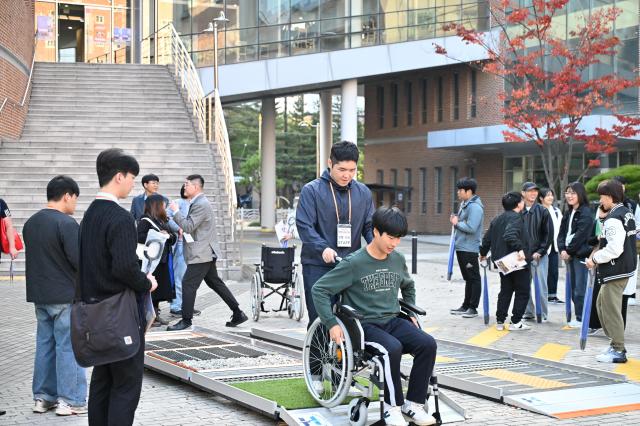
[390, 220]
[510, 200]
[467, 184]
[148, 178]
[61, 185]
[544, 192]
[112, 161]
[198, 178]
[612, 188]
[344, 151]
[581, 192]
[620, 179]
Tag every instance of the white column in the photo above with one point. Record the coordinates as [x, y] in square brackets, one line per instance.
[268, 164]
[326, 130]
[349, 122]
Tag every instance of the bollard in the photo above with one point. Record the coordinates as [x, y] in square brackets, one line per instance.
[414, 253]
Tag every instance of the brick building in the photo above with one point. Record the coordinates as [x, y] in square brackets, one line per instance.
[400, 110]
[16, 56]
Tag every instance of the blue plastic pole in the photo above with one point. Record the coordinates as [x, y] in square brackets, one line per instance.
[586, 309]
[485, 295]
[536, 289]
[452, 251]
[567, 292]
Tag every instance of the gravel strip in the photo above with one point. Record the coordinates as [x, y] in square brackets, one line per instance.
[264, 360]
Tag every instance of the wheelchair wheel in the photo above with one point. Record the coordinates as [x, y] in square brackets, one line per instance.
[328, 366]
[297, 298]
[358, 411]
[256, 296]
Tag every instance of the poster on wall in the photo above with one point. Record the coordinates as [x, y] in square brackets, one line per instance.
[45, 28]
[122, 35]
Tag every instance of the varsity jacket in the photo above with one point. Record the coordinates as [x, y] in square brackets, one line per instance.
[616, 256]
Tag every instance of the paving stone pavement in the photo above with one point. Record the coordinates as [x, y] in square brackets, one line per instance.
[168, 402]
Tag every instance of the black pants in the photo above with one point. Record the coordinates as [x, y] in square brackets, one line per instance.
[392, 339]
[594, 319]
[552, 274]
[468, 262]
[192, 279]
[115, 390]
[516, 282]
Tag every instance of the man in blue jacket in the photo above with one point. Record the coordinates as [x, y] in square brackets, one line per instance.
[333, 215]
[468, 226]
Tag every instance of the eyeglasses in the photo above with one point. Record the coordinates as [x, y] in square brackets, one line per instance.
[570, 193]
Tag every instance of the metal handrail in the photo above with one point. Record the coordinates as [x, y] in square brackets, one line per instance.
[170, 50]
[26, 90]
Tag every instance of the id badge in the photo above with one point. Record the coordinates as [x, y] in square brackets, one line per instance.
[344, 235]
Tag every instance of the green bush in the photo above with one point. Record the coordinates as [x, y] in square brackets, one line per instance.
[630, 172]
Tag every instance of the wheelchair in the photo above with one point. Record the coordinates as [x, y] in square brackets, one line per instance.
[278, 274]
[338, 366]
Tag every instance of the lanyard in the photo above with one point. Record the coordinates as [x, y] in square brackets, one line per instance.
[335, 203]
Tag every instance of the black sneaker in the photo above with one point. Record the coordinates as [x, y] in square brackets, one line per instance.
[470, 313]
[461, 310]
[179, 313]
[237, 319]
[527, 317]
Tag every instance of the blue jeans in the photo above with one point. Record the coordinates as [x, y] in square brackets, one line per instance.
[56, 374]
[311, 274]
[179, 268]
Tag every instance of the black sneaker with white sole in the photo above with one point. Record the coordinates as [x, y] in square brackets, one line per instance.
[459, 311]
[470, 313]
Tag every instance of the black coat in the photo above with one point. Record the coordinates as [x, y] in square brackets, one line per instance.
[505, 235]
[582, 226]
[162, 273]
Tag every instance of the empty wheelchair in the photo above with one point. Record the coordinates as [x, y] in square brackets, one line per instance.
[331, 369]
[278, 274]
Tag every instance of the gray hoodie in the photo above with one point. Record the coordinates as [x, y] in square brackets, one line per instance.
[469, 227]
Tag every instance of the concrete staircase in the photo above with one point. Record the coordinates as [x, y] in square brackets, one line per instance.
[78, 110]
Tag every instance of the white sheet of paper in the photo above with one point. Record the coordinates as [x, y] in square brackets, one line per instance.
[510, 263]
[188, 238]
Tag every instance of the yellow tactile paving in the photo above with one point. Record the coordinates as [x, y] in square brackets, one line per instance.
[523, 379]
[15, 278]
[631, 369]
[552, 352]
[445, 359]
[430, 329]
[487, 337]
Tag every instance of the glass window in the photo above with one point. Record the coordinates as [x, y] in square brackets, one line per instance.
[440, 99]
[380, 176]
[454, 191]
[627, 157]
[394, 105]
[394, 177]
[456, 96]
[513, 173]
[272, 12]
[407, 183]
[121, 42]
[304, 10]
[97, 34]
[424, 100]
[438, 188]
[408, 89]
[333, 8]
[423, 190]
[240, 13]
[474, 94]
[380, 101]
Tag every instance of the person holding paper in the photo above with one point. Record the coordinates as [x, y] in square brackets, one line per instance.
[198, 231]
[155, 217]
[504, 236]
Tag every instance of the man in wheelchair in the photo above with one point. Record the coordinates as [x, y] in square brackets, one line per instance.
[368, 280]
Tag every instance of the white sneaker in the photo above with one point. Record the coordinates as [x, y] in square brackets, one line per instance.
[519, 326]
[575, 324]
[65, 409]
[393, 417]
[612, 356]
[415, 413]
[42, 406]
[318, 386]
[500, 326]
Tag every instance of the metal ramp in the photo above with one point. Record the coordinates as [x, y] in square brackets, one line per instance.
[546, 387]
[216, 361]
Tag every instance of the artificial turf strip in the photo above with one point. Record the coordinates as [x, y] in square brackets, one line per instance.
[291, 394]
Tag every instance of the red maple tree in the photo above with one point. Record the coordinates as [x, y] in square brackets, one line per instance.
[546, 96]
